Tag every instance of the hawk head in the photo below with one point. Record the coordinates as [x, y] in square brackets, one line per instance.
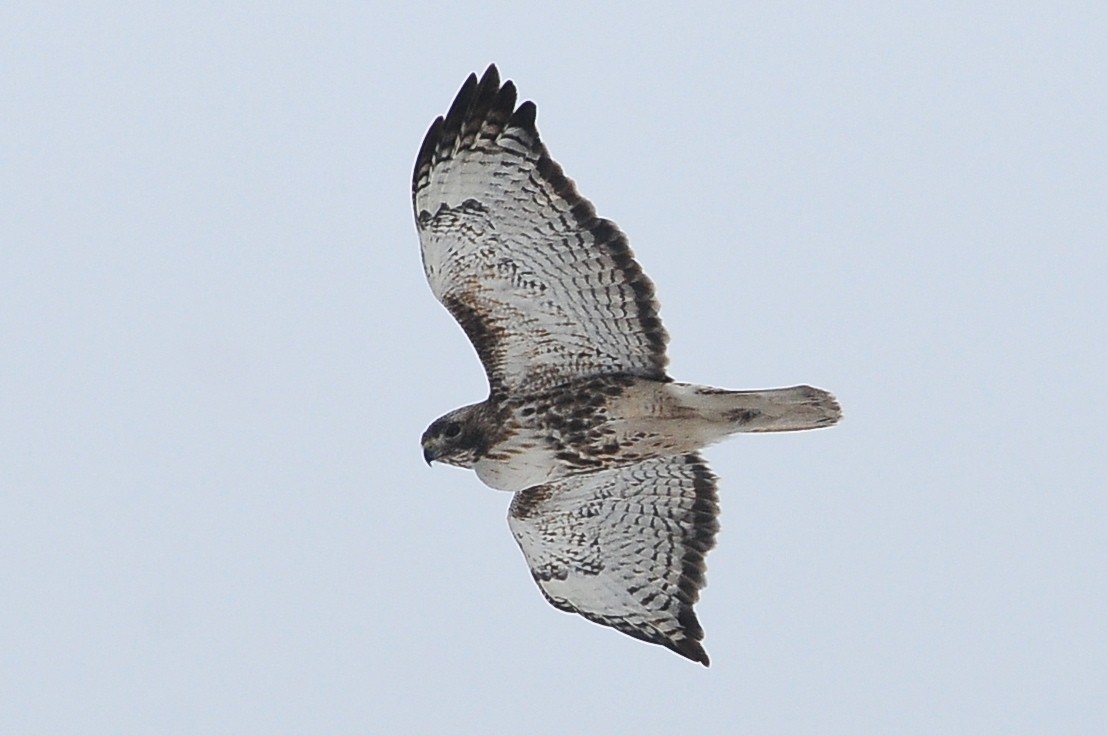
[456, 438]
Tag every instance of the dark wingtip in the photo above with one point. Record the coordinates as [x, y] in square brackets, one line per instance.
[427, 150]
[524, 116]
[491, 76]
[460, 104]
[691, 649]
[696, 653]
[483, 106]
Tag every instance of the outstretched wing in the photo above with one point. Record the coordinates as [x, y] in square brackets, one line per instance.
[546, 290]
[625, 547]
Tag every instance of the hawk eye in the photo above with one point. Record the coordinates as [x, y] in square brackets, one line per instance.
[452, 430]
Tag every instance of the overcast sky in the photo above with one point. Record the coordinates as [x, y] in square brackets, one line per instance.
[218, 352]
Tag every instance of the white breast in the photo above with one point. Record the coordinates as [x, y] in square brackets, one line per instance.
[524, 469]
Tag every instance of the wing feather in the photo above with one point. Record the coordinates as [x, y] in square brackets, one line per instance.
[625, 547]
[546, 291]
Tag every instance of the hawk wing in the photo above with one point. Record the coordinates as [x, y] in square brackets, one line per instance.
[546, 291]
[625, 547]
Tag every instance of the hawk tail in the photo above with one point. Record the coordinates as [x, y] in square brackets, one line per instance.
[772, 410]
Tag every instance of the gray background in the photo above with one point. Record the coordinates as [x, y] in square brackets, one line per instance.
[218, 354]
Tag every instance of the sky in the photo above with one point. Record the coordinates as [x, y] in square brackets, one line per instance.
[218, 353]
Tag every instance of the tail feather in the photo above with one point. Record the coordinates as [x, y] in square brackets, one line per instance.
[772, 410]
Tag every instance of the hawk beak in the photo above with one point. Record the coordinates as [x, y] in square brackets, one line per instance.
[428, 455]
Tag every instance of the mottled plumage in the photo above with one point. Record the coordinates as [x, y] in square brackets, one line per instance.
[614, 509]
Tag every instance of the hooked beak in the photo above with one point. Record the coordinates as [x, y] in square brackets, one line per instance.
[428, 455]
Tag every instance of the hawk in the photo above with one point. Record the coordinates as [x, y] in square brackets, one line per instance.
[614, 508]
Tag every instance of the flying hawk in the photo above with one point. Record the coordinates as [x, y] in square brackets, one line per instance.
[614, 508]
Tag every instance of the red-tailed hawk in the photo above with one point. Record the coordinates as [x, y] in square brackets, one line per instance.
[614, 509]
